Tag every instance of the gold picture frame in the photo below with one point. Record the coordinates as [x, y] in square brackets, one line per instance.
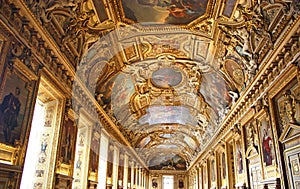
[16, 98]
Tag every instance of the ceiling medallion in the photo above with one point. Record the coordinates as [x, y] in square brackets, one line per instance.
[166, 77]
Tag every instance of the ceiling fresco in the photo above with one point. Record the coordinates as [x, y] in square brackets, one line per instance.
[168, 115]
[216, 93]
[164, 12]
[170, 162]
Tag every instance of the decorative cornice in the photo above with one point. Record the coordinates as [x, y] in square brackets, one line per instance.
[279, 59]
[30, 32]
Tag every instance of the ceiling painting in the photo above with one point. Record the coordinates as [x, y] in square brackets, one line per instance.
[215, 90]
[235, 72]
[175, 44]
[123, 89]
[166, 77]
[168, 162]
[117, 91]
[168, 146]
[164, 12]
[168, 115]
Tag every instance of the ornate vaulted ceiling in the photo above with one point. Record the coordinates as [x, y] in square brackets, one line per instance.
[163, 84]
[172, 71]
[166, 72]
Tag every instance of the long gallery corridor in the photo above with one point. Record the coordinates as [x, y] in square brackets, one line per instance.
[149, 94]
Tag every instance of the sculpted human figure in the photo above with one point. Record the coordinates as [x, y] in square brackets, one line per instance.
[289, 106]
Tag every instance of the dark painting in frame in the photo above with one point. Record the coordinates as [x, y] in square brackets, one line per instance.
[15, 99]
[223, 161]
[94, 151]
[68, 144]
[239, 158]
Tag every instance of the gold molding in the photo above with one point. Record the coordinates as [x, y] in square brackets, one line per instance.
[24, 69]
[64, 169]
[7, 154]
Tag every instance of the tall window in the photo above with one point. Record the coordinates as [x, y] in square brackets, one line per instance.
[168, 182]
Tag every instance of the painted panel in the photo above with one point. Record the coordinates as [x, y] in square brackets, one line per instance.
[166, 77]
[234, 70]
[13, 107]
[168, 162]
[161, 11]
[168, 115]
[117, 92]
[239, 158]
[267, 143]
[215, 91]
[94, 153]
[68, 142]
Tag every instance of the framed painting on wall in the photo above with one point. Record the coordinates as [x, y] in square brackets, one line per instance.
[94, 153]
[15, 98]
[266, 143]
[180, 183]
[239, 158]
[154, 183]
[68, 141]
[223, 163]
